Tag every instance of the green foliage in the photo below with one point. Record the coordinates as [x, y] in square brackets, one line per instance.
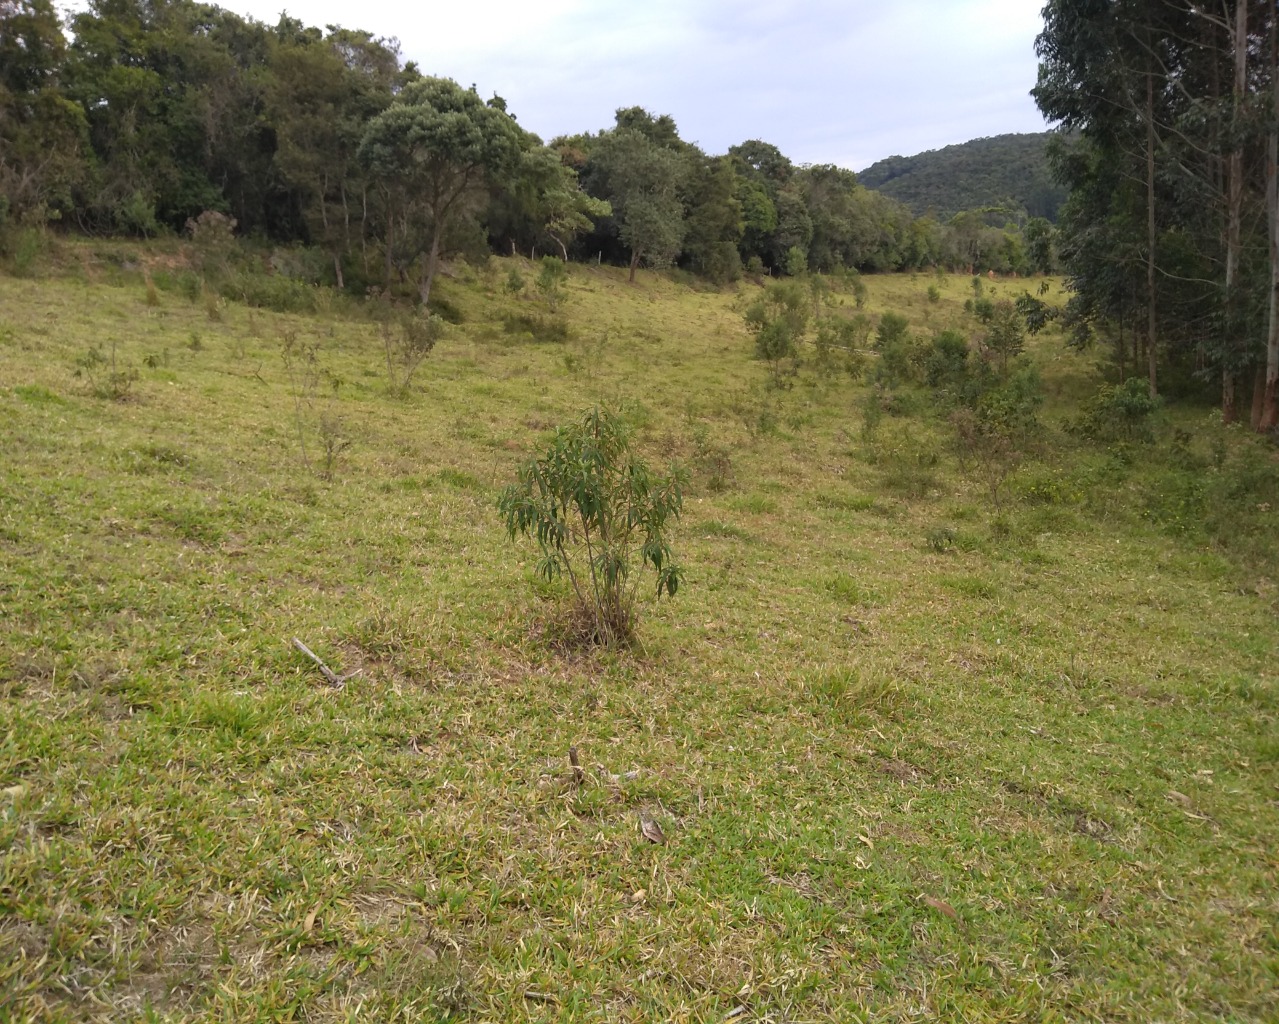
[941, 539]
[432, 151]
[984, 172]
[893, 343]
[27, 247]
[107, 377]
[946, 363]
[993, 436]
[1121, 412]
[551, 280]
[538, 328]
[779, 321]
[599, 516]
[1036, 313]
[514, 284]
[796, 261]
[712, 462]
[1006, 336]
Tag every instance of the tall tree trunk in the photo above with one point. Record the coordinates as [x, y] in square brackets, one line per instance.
[1270, 401]
[635, 258]
[432, 264]
[1234, 217]
[337, 272]
[390, 246]
[1151, 317]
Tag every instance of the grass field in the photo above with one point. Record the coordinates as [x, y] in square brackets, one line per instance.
[914, 757]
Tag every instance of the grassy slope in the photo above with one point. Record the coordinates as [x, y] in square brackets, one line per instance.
[1030, 778]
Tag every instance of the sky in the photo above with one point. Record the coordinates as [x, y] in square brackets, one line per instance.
[846, 82]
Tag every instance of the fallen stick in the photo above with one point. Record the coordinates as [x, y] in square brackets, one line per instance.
[331, 677]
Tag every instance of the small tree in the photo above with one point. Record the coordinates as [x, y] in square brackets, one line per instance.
[779, 320]
[1007, 334]
[407, 340]
[595, 509]
[995, 435]
[551, 280]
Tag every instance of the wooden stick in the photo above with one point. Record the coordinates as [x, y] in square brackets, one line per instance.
[331, 677]
[579, 776]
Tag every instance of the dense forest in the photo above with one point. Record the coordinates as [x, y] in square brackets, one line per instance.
[1008, 172]
[142, 116]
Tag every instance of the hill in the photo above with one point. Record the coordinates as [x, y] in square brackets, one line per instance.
[913, 753]
[1004, 170]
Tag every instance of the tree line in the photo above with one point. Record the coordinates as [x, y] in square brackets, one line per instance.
[137, 117]
[1170, 236]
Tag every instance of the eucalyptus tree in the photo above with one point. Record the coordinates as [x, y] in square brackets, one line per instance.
[1168, 197]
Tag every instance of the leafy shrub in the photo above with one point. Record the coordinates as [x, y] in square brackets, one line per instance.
[892, 341]
[994, 436]
[107, 378]
[1036, 313]
[1006, 337]
[270, 291]
[1120, 412]
[27, 247]
[941, 539]
[596, 510]
[720, 263]
[779, 319]
[712, 461]
[911, 471]
[946, 361]
[934, 293]
[551, 280]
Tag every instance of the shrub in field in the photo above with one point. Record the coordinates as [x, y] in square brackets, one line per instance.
[551, 281]
[1120, 412]
[779, 320]
[107, 378]
[599, 515]
[994, 436]
[407, 340]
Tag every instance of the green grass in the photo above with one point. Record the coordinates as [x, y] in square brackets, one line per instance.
[1028, 774]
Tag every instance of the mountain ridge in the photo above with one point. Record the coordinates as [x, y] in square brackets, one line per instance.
[1009, 170]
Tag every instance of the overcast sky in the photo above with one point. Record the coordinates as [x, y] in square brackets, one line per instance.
[827, 81]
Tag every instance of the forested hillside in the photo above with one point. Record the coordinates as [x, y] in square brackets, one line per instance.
[1010, 172]
[138, 118]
